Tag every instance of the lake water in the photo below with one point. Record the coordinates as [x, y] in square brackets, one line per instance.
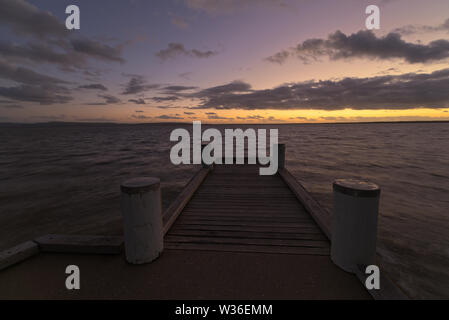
[64, 178]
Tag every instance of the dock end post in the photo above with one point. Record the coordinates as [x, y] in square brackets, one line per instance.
[354, 223]
[142, 217]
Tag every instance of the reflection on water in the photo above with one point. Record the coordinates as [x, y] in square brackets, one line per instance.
[65, 179]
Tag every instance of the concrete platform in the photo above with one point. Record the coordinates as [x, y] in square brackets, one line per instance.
[183, 274]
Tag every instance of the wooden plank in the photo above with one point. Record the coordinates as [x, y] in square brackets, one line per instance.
[320, 216]
[248, 241]
[17, 254]
[243, 219]
[80, 244]
[247, 223]
[248, 234]
[172, 213]
[224, 214]
[249, 249]
[302, 229]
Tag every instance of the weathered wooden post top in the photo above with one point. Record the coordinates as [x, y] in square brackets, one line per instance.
[142, 217]
[354, 223]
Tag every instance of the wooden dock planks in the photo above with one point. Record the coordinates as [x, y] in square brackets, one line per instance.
[237, 210]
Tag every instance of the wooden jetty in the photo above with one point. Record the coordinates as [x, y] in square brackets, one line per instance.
[231, 233]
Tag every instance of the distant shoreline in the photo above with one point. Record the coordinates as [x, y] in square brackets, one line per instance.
[68, 123]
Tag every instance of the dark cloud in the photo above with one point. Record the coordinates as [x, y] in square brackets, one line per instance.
[189, 113]
[230, 88]
[139, 111]
[214, 116]
[161, 99]
[25, 76]
[412, 90]
[176, 89]
[25, 18]
[98, 50]
[279, 57]
[68, 56]
[43, 94]
[169, 117]
[50, 41]
[43, 53]
[110, 99]
[141, 117]
[94, 86]
[137, 101]
[138, 84]
[166, 107]
[175, 49]
[365, 44]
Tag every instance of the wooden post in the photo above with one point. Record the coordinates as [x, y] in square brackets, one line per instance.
[354, 223]
[141, 209]
[281, 155]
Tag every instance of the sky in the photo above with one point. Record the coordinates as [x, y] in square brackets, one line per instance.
[224, 61]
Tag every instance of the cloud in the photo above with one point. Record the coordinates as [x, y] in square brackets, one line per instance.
[176, 89]
[98, 50]
[110, 99]
[170, 98]
[255, 117]
[166, 107]
[299, 118]
[169, 117]
[26, 19]
[94, 86]
[406, 91]
[189, 113]
[138, 84]
[214, 116]
[68, 56]
[413, 28]
[139, 111]
[176, 49]
[364, 44]
[279, 57]
[43, 53]
[25, 76]
[137, 101]
[230, 88]
[141, 117]
[42, 94]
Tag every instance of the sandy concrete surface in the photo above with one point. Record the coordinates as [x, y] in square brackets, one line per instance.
[183, 275]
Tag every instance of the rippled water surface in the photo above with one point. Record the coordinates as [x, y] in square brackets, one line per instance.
[64, 178]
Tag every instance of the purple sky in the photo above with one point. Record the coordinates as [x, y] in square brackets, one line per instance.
[224, 61]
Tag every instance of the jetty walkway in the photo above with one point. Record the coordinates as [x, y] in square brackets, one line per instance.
[230, 234]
